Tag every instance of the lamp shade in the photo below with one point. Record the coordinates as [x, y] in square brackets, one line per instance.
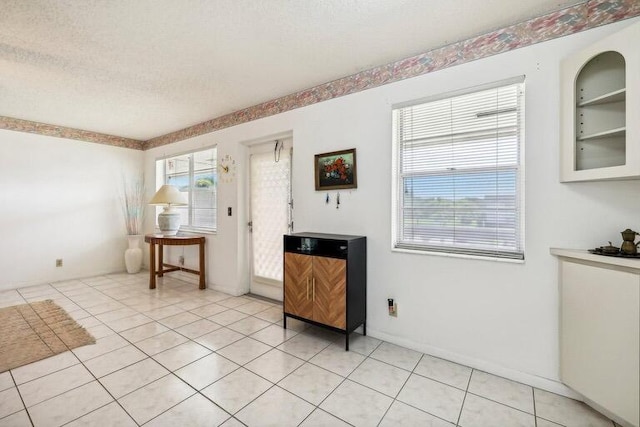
[169, 218]
[168, 195]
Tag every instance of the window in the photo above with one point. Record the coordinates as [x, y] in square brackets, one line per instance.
[194, 174]
[458, 172]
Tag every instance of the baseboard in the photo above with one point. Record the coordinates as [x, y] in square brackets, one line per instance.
[267, 291]
[553, 386]
[36, 282]
[226, 289]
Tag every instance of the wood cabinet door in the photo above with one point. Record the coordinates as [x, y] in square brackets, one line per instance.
[330, 291]
[297, 285]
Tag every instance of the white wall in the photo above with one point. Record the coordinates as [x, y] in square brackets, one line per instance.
[497, 316]
[59, 199]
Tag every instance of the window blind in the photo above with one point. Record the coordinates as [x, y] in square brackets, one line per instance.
[195, 174]
[459, 173]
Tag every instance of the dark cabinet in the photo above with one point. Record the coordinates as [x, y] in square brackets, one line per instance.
[325, 280]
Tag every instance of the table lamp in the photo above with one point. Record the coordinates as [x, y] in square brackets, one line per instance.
[169, 218]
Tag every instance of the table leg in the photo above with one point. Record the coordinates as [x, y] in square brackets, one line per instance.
[160, 260]
[202, 264]
[152, 266]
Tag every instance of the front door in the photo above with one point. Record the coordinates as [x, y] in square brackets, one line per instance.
[270, 215]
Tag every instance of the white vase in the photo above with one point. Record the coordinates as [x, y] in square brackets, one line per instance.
[133, 255]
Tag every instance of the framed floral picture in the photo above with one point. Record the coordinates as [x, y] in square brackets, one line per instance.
[336, 170]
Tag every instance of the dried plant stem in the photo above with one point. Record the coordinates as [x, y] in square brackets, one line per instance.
[133, 204]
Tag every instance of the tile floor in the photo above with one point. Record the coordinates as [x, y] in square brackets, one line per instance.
[178, 356]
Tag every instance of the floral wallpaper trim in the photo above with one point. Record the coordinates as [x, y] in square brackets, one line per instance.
[584, 16]
[20, 125]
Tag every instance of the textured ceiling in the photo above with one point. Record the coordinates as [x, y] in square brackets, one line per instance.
[144, 68]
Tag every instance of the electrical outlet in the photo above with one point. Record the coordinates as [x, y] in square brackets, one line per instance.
[181, 260]
[59, 262]
[393, 307]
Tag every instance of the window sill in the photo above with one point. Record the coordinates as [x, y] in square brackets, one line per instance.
[462, 256]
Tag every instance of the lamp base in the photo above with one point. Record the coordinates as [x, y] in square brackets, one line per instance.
[169, 222]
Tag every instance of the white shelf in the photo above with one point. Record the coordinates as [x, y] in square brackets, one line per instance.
[600, 133]
[615, 96]
[604, 134]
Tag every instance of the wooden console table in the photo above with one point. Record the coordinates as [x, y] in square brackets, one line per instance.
[178, 240]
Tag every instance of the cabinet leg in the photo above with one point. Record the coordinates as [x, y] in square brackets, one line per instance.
[284, 322]
[346, 341]
[364, 329]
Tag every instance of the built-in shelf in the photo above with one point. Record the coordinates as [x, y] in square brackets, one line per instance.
[600, 133]
[615, 96]
[604, 134]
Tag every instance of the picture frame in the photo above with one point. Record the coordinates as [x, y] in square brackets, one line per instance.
[336, 170]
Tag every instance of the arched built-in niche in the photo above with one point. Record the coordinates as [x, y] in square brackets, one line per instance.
[600, 106]
[600, 95]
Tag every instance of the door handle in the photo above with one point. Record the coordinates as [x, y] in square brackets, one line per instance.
[313, 289]
[307, 288]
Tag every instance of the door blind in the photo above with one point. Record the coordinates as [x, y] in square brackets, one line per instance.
[270, 214]
[459, 173]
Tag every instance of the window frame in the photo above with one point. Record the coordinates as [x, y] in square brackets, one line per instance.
[161, 179]
[398, 181]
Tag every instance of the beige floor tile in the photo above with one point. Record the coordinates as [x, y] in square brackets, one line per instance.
[244, 350]
[219, 338]
[248, 325]
[133, 377]
[335, 359]
[10, 402]
[567, 412]
[196, 411]
[311, 383]
[444, 371]
[502, 390]
[320, 418]
[403, 415]
[205, 371]
[161, 342]
[18, 419]
[274, 335]
[155, 398]
[208, 310]
[109, 415]
[51, 385]
[114, 360]
[130, 322]
[143, 332]
[480, 412]
[179, 320]
[198, 328]
[397, 356]
[6, 381]
[181, 355]
[102, 346]
[438, 399]
[44, 367]
[380, 376]
[236, 390]
[227, 317]
[357, 404]
[267, 409]
[70, 405]
[274, 365]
